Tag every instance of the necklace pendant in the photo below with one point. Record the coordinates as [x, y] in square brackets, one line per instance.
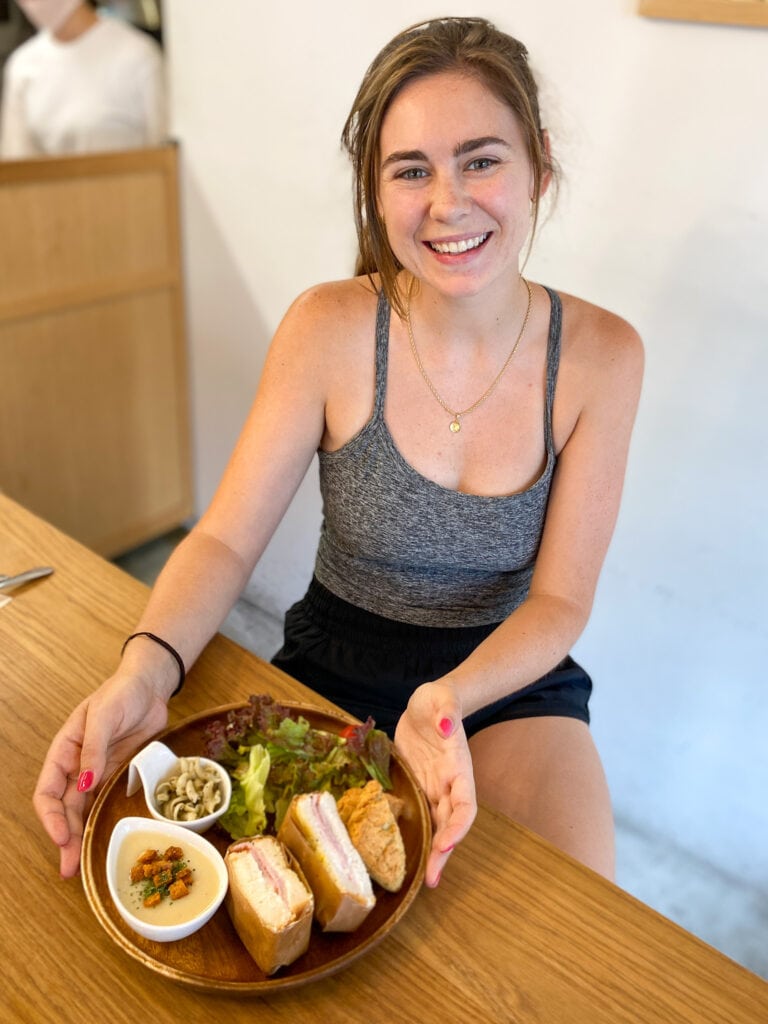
[455, 425]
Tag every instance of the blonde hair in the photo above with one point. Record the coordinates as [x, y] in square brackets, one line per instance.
[471, 46]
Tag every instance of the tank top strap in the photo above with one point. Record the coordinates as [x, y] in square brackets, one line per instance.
[553, 364]
[383, 314]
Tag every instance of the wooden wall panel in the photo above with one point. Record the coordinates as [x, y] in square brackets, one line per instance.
[722, 12]
[94, 425]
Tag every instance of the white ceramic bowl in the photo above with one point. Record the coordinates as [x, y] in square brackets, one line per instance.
[157, 762]
[164, 834]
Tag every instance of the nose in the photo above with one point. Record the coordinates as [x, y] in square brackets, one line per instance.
[449, 201]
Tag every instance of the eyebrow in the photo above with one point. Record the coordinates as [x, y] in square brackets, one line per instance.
[461, 149]
[485, 140]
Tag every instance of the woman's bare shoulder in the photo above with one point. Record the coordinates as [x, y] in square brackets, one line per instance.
[325, 306]
[602, 342]
[326, 328]
[587, 326]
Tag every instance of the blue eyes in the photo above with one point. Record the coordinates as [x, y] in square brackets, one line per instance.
[480, 163]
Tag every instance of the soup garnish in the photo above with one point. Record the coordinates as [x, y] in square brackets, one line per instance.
[162, 875]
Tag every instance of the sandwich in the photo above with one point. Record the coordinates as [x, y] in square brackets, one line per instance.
[315, 834]
[370, 820]
[269, 901]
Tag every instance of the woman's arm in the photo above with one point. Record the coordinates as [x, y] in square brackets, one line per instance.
[580, 518]
[606, 369]
[199, 584]
[208, 571]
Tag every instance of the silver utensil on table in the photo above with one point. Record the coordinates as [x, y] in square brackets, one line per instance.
[24, 577]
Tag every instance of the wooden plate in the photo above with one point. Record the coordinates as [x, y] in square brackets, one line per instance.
[214, 959]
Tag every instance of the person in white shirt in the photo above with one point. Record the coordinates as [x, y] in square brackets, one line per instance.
[83, 84]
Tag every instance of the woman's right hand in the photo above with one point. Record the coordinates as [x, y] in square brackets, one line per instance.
[100, 734]
[431, 738]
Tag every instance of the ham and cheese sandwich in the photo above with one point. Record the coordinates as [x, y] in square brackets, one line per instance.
[315, 834]
[269, 901]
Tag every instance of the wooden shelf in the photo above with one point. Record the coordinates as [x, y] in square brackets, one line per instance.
[721, 12]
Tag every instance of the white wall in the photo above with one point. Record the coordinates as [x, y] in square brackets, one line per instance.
[661, 130]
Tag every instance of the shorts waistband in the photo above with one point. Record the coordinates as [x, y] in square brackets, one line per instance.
[335, 612]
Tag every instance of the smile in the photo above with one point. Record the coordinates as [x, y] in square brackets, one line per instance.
[464, 245]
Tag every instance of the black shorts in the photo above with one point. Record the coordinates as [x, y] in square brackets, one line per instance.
[370, 665]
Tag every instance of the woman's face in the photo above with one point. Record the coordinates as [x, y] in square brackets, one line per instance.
[455, 184]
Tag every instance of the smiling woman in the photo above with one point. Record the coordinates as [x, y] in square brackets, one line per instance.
[458, 556]
[497, 63]
[458, 209]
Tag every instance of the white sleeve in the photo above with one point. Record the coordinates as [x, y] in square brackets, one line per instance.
[152, 96]
[15, 138]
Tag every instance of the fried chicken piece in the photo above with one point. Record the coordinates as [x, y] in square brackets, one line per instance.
[373, 829]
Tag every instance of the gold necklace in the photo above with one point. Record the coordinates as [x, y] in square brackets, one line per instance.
[455, 424]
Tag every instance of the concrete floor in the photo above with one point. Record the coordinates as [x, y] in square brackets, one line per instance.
[717, 908]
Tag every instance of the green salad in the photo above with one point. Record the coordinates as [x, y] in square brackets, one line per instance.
[272, 753]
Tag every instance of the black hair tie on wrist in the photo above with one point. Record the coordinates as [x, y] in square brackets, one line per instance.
[171, 650]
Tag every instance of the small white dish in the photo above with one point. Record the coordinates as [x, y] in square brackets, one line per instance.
[202, 856]
[156, 763]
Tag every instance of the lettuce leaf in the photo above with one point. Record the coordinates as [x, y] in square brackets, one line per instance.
[247, 812]
[291, 757]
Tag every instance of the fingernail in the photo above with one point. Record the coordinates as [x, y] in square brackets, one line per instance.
[85, 781]
[448, 848]
[446, 725]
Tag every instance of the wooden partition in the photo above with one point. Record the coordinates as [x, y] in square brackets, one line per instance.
[94, 422]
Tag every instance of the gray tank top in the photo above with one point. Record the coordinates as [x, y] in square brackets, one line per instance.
[397, 544]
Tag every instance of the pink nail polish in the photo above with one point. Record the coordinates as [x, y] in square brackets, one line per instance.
[85, 781]
[446, 725]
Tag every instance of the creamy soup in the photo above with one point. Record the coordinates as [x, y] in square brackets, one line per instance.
[202, 890]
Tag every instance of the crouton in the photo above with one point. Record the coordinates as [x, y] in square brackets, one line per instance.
[177, 890]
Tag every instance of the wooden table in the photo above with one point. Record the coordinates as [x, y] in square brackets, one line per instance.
[516, 932]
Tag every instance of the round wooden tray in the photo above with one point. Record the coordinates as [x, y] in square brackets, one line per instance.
[214, 959]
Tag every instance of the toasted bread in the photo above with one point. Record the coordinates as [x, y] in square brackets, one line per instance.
[315, 834]
[269, 901]
[375, 834]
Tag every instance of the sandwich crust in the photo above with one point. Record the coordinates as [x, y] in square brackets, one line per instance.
[269, 901]
[315, 834]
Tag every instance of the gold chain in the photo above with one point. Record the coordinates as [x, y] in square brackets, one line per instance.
[455, 425]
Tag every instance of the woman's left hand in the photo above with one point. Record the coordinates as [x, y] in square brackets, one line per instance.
[431, 738]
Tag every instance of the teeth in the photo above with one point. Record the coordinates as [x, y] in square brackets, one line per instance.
[462, 246]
